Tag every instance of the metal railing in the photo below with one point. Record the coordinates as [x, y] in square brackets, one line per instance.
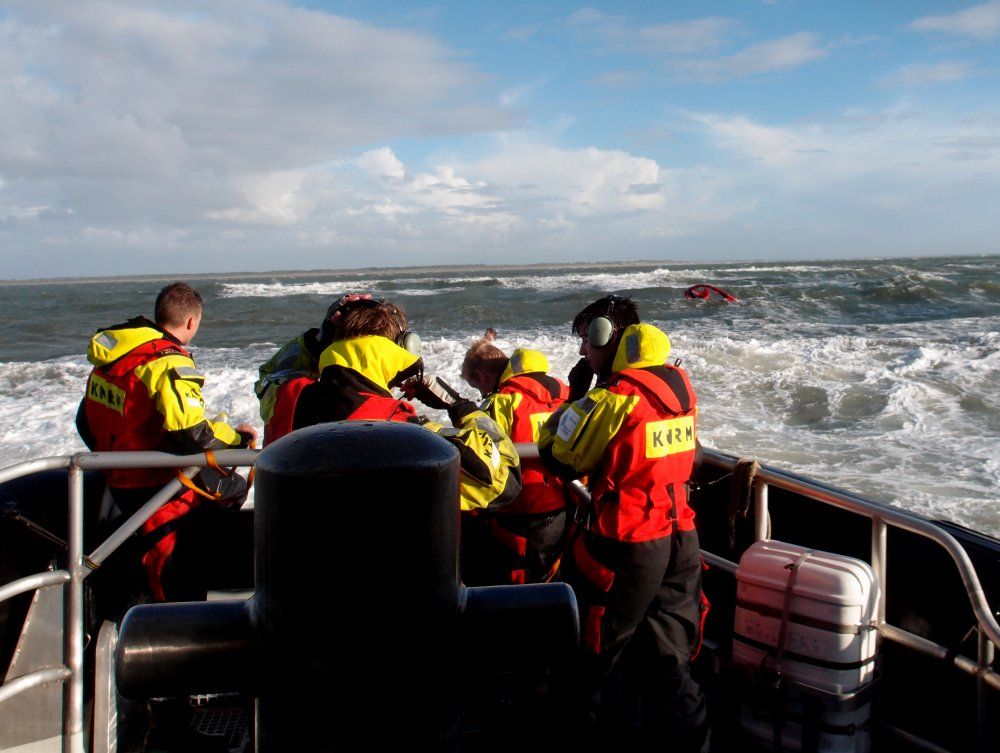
[79, 565]
[882, 517]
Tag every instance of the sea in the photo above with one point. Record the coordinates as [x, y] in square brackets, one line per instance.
[879, 376]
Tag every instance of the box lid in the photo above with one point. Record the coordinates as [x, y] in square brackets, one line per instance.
[823, 576]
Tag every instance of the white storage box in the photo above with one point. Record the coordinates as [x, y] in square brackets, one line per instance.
[806, 617]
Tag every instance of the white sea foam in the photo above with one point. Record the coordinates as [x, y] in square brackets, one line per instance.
[331, 289]
[907, 412]
[867, 407]
[419, 292]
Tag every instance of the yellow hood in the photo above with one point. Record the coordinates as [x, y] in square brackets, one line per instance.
[524, 361]
[375, 357]
[110, 344]
[642, 345]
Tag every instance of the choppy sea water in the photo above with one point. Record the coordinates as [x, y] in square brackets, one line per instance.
[880, 376]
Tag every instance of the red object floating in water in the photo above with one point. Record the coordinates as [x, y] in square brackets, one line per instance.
[704, 292]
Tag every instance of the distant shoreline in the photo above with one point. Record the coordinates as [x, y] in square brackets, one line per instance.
[455, 268]
[296, 273]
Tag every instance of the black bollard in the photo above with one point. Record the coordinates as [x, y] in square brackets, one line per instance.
[357, 589]
[356, 630]
[190, 647]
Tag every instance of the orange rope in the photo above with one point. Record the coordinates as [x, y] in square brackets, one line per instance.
[212, 463]
[185, 481]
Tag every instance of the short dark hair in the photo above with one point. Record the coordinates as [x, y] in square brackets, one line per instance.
[175, 303]
[383, 318]
[621, 310]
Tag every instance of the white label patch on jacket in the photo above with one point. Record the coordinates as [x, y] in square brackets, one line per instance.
[193, 402]
[568, 422]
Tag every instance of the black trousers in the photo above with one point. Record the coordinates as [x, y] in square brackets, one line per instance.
[633, 678]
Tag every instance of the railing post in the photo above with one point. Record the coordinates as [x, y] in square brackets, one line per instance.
[879, 529]
[984, 742]
[760, 512]
[73, 639]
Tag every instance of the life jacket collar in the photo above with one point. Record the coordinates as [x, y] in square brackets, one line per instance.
[110, 344]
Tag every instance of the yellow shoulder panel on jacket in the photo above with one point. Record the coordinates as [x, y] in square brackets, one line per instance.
[586, 427]
[500, 407]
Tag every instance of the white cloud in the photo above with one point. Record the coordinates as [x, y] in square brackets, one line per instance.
[515, 95]
[699, 35]
[775, 55]
[250, 133]
[681, 38]
[928, 74]
[575, 182]
[891, 179]
[617, 79]
[382, 162]
[178, 91]
[980, 22]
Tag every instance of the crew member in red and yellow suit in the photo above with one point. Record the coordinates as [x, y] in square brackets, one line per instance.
[634, 560]
[295, 365]
[378, 354]
[144, 393]
[522, 542]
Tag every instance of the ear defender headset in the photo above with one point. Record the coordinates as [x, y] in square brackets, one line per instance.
[601, 329]
[407, 339]
[410, 341]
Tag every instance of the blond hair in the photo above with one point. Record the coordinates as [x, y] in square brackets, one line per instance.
[484, 355]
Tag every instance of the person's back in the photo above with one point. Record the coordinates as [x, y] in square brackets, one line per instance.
[144, 393]
[519, 395]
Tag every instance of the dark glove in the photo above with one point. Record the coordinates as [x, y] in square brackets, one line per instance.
[460, 409]
[580, 377]
[432, 391]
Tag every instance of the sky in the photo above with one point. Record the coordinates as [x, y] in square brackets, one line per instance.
[257, 135]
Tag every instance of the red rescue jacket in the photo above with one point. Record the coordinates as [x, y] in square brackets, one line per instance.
[541, 491]
[122, 415]
[286, 397]
[642, 485]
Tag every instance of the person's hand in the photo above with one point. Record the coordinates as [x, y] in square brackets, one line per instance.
[580, 377]
[248, 434]
[432, 391]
